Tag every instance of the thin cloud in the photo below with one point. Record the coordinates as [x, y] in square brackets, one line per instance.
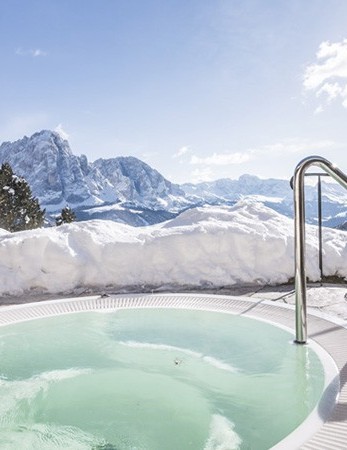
[199, 175]
[182, 151]
[62, 133]
[288, 146]
[328, 76]
[331, 90]
[33, 52]
[318, 110]
[221, 159]
[294, 146]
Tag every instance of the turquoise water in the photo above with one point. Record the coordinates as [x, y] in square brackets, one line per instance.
[152, 380]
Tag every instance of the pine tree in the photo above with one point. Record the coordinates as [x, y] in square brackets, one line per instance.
[66, 216]
[19, 210]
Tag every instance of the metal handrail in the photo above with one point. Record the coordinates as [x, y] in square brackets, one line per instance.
[299, 233]
[319, 202]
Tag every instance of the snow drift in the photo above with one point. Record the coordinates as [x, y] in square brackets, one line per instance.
[246, 243]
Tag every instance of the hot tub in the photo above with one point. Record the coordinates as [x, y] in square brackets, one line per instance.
[154, 372]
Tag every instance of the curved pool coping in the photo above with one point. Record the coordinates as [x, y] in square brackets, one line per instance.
[332, 432]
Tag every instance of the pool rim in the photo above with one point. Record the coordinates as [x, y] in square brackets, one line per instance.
[330, 336]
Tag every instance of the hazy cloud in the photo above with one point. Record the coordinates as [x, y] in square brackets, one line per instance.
[182, 151]
[222, 159]
[62, 133]
[287, 146]
[332, 90]
[294, 146]
[318, 110]
[205, 174]
[328, 76]
[31, 52]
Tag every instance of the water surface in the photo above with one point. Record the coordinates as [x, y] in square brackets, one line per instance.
[152, 380]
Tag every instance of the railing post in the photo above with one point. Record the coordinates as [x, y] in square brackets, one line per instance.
[299, 243]
[299, 236]
[320, 240]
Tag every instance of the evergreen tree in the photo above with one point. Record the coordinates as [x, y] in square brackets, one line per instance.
[66, 216]
[19, 210]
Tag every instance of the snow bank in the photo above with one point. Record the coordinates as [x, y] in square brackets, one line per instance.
[247, 243]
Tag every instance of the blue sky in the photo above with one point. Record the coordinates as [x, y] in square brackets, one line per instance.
[199, 89]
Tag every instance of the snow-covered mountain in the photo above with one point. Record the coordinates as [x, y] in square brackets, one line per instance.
[127, 190]
[232, 190]
[274, 193]
[58, 177]
[139, 184]
[47, 163]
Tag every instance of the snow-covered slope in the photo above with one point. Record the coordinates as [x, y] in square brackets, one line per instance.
[246, 243]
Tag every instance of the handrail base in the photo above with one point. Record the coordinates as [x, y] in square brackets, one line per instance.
[300, 342]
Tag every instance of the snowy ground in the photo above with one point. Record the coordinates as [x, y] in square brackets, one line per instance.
[328, 300]
[216, 249]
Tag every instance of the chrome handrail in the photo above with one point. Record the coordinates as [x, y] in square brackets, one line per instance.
[319, 194]
[299, 234]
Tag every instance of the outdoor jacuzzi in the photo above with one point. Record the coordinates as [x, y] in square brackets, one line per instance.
[157, 372]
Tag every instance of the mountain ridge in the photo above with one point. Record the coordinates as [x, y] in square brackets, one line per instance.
[128, 190]
[58, 177]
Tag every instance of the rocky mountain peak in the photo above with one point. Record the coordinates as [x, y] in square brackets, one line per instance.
[138, 183]
[46, 161]
[58, 177]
